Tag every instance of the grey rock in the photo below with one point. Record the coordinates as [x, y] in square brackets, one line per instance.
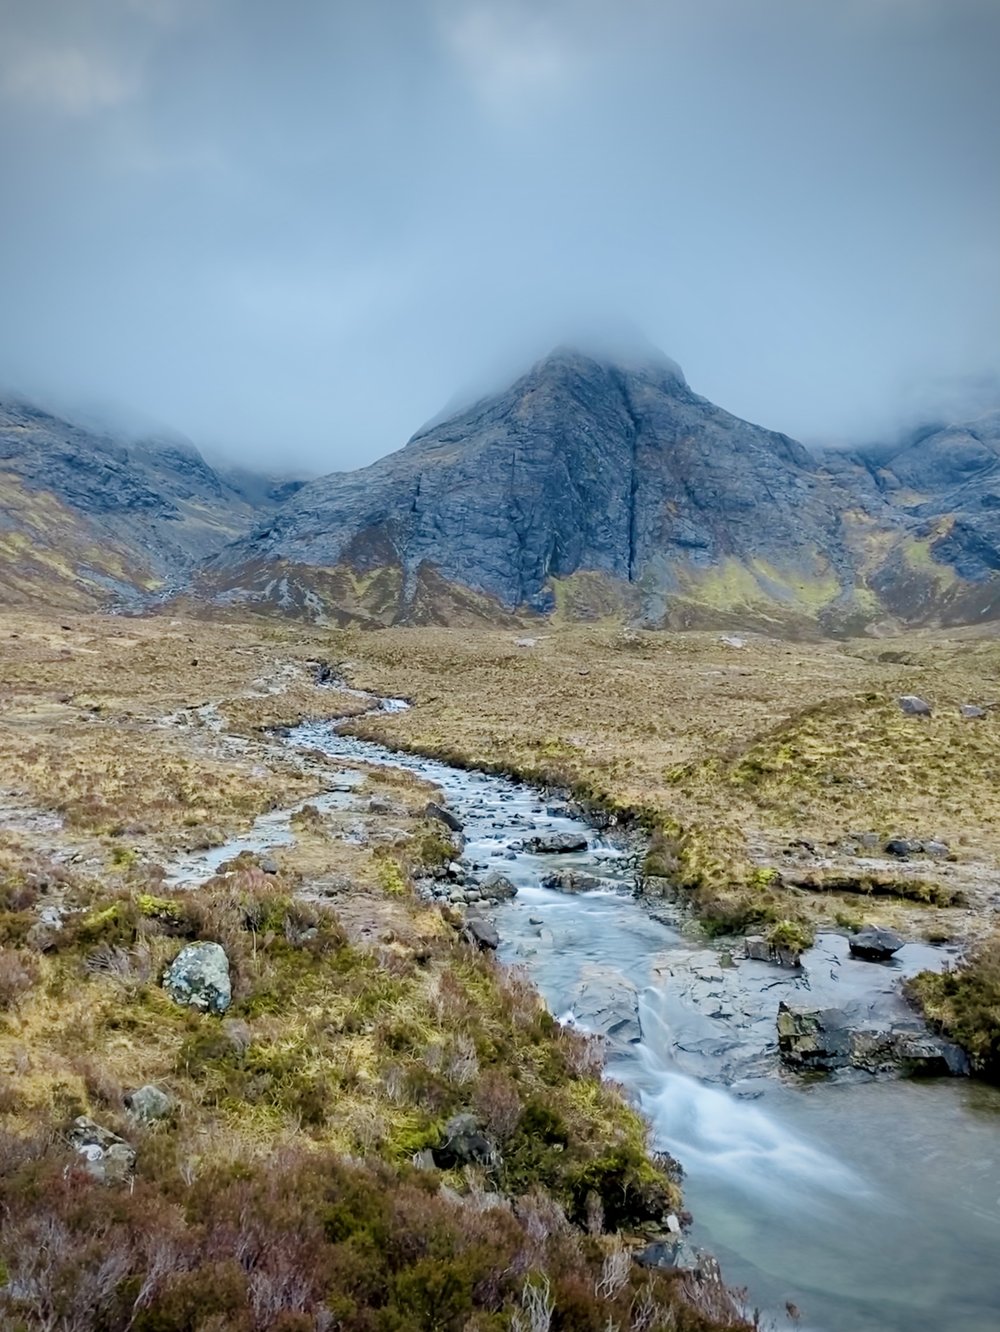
[571, 881]
[903, 847]
[971, 712]
[149, 1102]
[914, 706]
[103, 1154]
[813, 1037]
[268, 865]
[556, 843]
[464, 1144]
[603, 1003]
[199, 978]
[936, 848]
[443, 815]
[874, 944]
[481, 933]
[497, 887]
[757, 948]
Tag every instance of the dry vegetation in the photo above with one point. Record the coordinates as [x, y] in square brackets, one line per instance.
[279, 1193]
[755, 767]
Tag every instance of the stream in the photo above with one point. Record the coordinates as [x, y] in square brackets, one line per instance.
[872, 1205]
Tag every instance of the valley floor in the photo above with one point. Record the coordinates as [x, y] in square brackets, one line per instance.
[770, 776]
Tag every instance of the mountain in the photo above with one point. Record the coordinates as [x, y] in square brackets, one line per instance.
[589, 485]
[592, 486]
[86, 519]
[943, 484]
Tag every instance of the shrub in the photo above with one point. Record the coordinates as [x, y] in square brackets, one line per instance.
[964, 1004]
[18, 973]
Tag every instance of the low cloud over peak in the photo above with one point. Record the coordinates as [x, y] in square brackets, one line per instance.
[294, 232]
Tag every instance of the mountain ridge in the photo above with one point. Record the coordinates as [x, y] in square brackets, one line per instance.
[592, 485]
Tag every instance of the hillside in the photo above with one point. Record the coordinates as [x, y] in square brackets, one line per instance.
[85, 519]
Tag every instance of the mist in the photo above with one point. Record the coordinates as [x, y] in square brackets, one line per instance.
[293, 233]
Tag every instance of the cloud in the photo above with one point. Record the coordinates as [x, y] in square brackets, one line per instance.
[512, 54]
[67, 79]
[295, 231]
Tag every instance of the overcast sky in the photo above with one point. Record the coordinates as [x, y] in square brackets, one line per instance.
[294, 230]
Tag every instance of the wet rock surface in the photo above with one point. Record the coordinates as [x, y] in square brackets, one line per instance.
[555, 844]
[874, 944]
[827, 1039]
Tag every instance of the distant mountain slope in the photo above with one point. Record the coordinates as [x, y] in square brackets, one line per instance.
[84, 518]
[588, 485]
[943, 484]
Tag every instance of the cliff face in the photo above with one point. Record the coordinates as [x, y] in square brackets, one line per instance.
[618, 472]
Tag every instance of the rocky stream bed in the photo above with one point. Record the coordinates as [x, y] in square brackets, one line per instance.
[860, 1200]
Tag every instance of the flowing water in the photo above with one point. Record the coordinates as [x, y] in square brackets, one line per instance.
[871, 1205]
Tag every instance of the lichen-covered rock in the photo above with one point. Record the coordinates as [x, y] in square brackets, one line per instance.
[149, 1102]
[199, 978]
[813, 1037]
[103, 1154]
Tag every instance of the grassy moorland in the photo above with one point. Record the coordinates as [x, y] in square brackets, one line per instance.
[287, 1186]
[280, 1191]
[770, 774]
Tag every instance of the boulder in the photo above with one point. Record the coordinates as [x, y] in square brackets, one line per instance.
[813, 1037]
[496, 887]
[907, 1047]
[481, 933]
[874, 944]
[971, 712]
[149, 1103]
[571, 881]
[556, 843]
[464, 1144]
[914, 706]
[104, 1155]
[936, 848]
[903, 847]
[443, 815]
[199, 978]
